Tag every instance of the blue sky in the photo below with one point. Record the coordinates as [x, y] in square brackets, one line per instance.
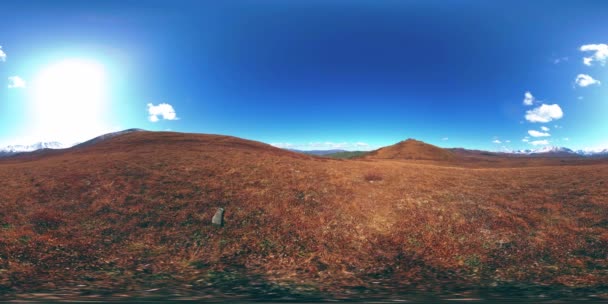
[309, 74]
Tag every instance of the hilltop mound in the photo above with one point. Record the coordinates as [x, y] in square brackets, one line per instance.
[412, 149]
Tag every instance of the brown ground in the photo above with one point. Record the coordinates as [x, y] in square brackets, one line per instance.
[133, 213]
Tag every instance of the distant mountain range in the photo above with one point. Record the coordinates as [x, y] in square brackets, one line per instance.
[561, 151]
[54, 145]
[414, 149]
[409, 149]
[16, 149]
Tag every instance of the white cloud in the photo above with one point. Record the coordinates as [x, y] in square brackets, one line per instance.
[525, 139]
[528, 98]
[535, 133]
[544, 113]
[445, 138]
[587, 60]
[283, 145]
[507, 141]
[566, 138]
[544, 128]
[584, 80]
[328, 145]
[164, 110]
[2, 54]
[600, 53]
[16, 82]
[539, 142]
[496, 141]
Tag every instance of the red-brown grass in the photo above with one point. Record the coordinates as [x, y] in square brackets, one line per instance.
[373, 176]
[134, 213]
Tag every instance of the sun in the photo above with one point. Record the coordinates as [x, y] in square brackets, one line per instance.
[69, 99]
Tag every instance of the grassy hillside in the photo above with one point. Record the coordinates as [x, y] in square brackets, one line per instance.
[132, 215]
[412, 149]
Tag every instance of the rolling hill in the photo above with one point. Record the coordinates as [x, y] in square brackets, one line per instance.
[131, 215]
[412, 149]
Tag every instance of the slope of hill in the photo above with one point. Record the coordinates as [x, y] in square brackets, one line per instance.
[412, 149]
[108, 136]
[131, 215]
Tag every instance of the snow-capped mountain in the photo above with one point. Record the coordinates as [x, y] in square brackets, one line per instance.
[15, 149]
[593, 152]
[553, 150]
[562, 151]
[544, 150]
[12, 149]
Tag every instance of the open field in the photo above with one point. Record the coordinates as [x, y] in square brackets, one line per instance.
[132, 215]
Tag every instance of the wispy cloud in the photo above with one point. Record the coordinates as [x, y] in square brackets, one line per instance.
[535, 133]
[16, 82]
[497, 141]
[2, 55]
[544, 113]
[526, 139]
[445, 138]
[528, 98]
[544, 128]
[584, 80]
[163, 110]
[559, 60]
[539, 142]
[600, 53]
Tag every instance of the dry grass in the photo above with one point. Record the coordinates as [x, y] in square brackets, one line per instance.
[134, 213]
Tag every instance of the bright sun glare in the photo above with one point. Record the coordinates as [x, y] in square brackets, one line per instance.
[69, 100]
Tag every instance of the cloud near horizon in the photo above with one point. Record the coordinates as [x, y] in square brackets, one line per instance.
[163, 110]
[16, 82]
[535, 133]
[600, 53]
[328, 145]
[539, 142]
[544, 113]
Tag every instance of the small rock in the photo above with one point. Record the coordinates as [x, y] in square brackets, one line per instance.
[218, 218]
